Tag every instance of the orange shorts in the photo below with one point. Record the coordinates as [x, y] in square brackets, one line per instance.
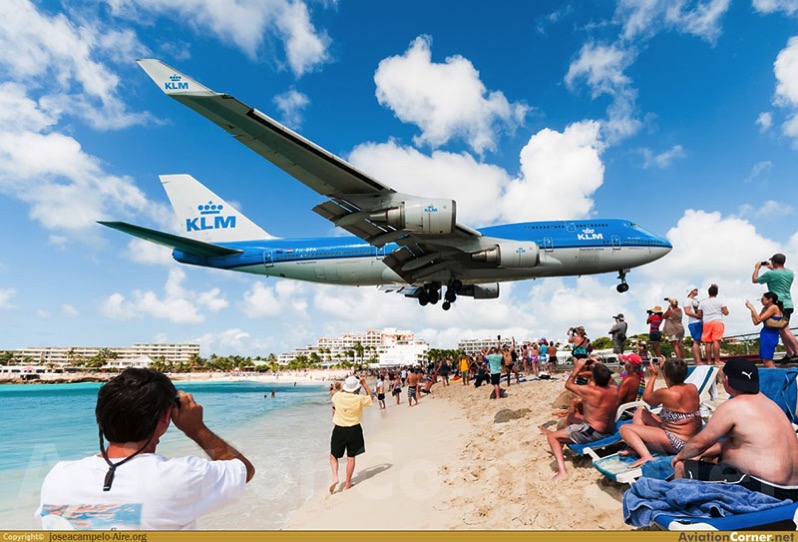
[713, 331]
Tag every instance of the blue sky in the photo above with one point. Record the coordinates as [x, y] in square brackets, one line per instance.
[679, 115]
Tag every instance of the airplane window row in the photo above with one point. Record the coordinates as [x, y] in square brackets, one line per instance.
[560, 226]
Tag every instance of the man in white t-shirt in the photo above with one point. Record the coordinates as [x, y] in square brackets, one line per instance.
[694, 324]
[711, 311]
[128, 486]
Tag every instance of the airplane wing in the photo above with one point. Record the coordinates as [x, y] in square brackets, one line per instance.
[172, 241]
[357, 202]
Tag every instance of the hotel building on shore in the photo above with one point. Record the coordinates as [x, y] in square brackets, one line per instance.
[388, 346]
[140, 354]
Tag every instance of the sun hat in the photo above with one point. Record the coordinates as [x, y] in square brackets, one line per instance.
[743, 375]
[656, 308]
[351, 384]
[691, 288]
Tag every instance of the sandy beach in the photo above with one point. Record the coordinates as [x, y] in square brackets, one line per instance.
[448, 465]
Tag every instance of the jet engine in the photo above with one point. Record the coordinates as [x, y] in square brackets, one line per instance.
[510, 254]
[480, 291]
[426, 216]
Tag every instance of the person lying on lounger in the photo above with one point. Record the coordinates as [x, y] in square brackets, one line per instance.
[759, 452]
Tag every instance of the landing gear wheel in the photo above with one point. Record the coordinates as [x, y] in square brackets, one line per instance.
[622, 287]
[450, 295]
[423, 299]
[446, 305]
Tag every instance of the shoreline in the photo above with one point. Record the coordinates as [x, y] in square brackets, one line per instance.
[303, 377]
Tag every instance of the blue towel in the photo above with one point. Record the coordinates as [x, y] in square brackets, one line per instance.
[648, 498]
[779, 386]
[660, 468]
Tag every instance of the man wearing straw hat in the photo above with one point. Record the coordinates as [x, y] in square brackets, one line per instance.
[347, 434]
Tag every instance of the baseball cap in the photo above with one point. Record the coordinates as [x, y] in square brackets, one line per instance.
[634, 359]
[743, 375]
[691, 288]
[618, 316]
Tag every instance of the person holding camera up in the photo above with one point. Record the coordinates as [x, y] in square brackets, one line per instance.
[578, 338]
[673, 328]
[779, 281]
[654, 320]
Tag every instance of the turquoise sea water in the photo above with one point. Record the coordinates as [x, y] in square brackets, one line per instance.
[285, 436]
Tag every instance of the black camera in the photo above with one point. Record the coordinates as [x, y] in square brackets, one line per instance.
[764, 263]
[649, 312]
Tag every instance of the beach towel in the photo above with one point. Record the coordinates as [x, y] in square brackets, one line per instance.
[649, 498]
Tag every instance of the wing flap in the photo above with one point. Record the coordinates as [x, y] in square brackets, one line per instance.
[172, 241]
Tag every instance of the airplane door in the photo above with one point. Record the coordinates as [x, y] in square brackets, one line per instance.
[616, 242]
[268, 258]
[548, 244]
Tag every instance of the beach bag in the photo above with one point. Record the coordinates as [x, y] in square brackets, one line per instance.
[776, 324]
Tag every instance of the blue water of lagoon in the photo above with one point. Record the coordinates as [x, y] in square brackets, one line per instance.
[285, 436]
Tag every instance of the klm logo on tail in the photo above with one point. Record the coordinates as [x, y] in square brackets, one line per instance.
[210, 219]
[175, 83]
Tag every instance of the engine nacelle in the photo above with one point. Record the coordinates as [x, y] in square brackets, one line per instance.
[428, 216]
[510, 254]
[480, 291]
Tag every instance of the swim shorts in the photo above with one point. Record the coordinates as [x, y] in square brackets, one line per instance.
[349, 439]
[713, 331]
[581, 433]
[655, 336]
[724, 473]
[495, 378]
[696, 330]
[411, 392]
[787, 313]
[380, 397]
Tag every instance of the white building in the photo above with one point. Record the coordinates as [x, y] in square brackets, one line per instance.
[67, 355]
[397, 345]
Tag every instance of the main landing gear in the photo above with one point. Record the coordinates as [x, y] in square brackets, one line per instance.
[622, 287]
[431, 294]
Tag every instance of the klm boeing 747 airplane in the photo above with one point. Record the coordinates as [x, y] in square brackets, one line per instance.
[402, 243]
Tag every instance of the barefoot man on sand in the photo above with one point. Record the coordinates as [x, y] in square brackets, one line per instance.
[599, 402]
[347, 434]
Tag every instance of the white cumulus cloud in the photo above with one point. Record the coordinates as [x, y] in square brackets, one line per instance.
[445, 100]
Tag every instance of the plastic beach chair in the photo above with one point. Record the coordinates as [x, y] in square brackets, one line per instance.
[617, 467]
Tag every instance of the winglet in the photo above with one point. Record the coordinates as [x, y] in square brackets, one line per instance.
[172, 81]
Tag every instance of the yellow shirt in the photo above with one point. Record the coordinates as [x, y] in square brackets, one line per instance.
[349, 407]
[463, 365]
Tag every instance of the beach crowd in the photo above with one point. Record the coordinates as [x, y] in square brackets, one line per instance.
[747, 442]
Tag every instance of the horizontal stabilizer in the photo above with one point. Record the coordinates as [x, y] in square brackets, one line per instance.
[183, 244]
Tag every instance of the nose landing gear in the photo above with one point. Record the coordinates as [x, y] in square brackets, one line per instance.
[622, 287]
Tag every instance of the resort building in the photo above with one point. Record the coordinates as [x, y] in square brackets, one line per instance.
[385, 347]
[126, 356]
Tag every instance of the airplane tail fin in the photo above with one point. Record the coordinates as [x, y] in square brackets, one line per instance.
[206, 217]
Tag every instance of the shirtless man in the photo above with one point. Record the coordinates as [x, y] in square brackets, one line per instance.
[760, 451]
[599, 403]
[413, 380]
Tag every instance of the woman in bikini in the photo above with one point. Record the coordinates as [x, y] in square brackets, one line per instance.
[678, 420]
